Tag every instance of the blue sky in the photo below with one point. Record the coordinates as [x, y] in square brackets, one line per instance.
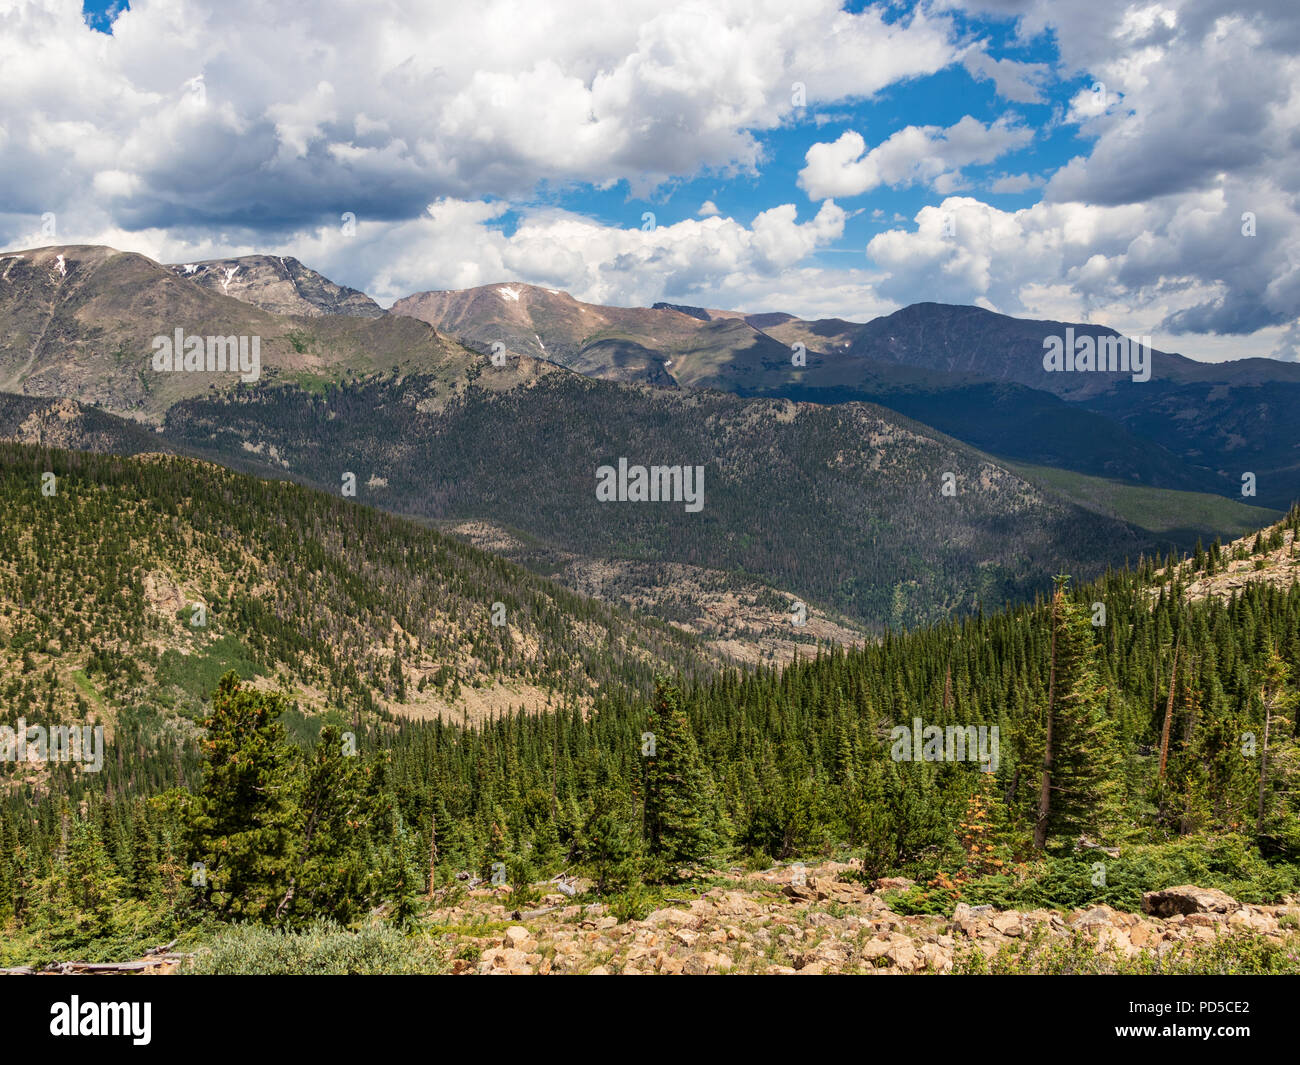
[951, 150]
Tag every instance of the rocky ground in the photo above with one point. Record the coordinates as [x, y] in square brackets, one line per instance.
[812, 921]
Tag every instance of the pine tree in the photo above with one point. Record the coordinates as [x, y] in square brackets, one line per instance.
[243, 818]
[1278, 811]
[143, 857]
[608, 842]
[677, 803]
[329, 875]
[1081, 763]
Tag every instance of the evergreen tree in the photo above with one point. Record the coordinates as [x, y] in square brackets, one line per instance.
[608, 842]
[243, 818]
[329, 875]
[677, 801]
[1081, 764]
[1279, 784]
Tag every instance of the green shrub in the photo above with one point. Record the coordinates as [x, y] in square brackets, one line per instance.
[633, 904]
[1237, 954]
[323, 949]
[1228, 863]
[922, 900]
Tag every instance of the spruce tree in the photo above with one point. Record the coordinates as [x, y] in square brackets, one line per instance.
[678, 806]
[329, 875]
[1278, 810]
[607, 842]
[243, 816]
[1081, 762]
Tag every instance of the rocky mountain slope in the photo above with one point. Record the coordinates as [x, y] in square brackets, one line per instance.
[394, 398]
[971, 373]
[810, 921]
[79, 322]
[279, 284]
[738, 616]
[851, 507]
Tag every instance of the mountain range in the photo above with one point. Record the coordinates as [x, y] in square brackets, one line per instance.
[886, 473]
[971, 373]
[407, 605]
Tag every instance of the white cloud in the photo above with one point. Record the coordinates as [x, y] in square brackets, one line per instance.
[914, 155]
[1020, 82]
[1013, 183]
[231, 115]
[716, 260]
[189, 134]
[1140, 267]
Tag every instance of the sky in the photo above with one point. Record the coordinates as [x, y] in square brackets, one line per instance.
[1131, 164]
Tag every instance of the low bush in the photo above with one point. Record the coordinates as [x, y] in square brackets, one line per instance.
[322, 949]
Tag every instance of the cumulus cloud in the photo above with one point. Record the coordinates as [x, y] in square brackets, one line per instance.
[914, 155]
[1150, 268]
[186, 134]
[383, 108]
[463, 243]
[1189, 109]
[1019, 82]
[456, 244]
[1013, 183]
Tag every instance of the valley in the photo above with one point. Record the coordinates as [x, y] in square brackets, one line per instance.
[378, 586]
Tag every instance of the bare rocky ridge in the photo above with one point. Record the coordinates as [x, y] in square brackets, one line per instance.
[630, 343]
[279, 284]
[1279, 567]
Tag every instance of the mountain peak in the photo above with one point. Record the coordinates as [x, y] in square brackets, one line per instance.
[280, 284]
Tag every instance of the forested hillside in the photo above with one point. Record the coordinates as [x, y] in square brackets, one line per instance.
[843, 505]
[1171, 719]
[135, 583]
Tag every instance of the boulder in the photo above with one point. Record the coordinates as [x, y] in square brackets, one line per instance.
[964, 919]
[517, 937]
[1187, 898]
[1094, 917]
[504, 960]
[1008, 923]
[1115, 940]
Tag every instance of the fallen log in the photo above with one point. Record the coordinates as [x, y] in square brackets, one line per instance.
[100, 966]
[535, 913]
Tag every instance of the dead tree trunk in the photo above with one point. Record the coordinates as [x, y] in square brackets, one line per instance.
[1263, 764]
[1169, 712]
[433, 850]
